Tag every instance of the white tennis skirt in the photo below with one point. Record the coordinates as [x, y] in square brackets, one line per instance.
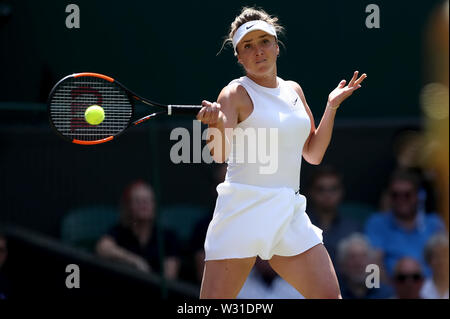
[253, 221]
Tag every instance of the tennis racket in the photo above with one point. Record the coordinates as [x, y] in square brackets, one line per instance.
[72, 95]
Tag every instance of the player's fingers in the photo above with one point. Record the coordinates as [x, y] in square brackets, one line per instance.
[341, 84]
[205, 115]
[353, 88]
[352, 81]
[200, 114]
[361, 78]
[209, 113]
[214, 112]
[206, 103]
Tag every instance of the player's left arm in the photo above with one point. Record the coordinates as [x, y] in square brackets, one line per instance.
[299, 91]
[319, 138]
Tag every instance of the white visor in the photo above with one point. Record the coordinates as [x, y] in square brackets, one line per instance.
[252, 26]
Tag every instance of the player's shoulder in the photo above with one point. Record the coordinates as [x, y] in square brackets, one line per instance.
[295, 86]
[234, 92]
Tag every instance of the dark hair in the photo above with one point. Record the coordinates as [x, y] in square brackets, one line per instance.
[405, 175]
[324, 171]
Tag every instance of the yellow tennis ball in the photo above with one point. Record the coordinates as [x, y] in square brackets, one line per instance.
[94, 114]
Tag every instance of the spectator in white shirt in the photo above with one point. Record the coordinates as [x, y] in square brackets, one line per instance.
[436, 255]
[264, 283]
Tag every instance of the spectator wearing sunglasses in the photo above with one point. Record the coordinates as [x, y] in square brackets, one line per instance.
[407, 278]
[405, 229]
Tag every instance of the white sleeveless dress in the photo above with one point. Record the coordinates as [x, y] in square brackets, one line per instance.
[259, 211]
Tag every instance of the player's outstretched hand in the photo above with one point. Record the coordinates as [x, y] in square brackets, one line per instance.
[341, 92]
[209, 113]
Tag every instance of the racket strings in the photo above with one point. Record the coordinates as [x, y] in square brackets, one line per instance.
[73, 96]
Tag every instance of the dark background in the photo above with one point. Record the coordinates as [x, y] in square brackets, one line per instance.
[167, 51]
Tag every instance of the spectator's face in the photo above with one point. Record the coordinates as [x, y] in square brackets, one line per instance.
[326, 193]
[141, 203]
[3, 251]
[355, 263]
[403, 198]
[408, 279]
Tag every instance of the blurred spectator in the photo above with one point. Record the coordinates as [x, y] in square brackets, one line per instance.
[407, 278]
[198, 240]
[326, 192]
[436, 255]
[264, 283]
[409, 156]
[353, 256]
[404, 230]
[5, 287]
[135, 240]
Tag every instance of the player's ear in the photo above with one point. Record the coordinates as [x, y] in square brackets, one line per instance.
[238, 58]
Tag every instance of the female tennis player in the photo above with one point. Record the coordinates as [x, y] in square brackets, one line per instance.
[261, 214]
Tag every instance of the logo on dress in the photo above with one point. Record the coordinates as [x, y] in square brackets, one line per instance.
[295, 101]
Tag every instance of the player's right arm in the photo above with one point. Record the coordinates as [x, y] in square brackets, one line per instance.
[222, 117]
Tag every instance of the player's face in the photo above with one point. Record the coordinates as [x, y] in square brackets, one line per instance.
[257, 52]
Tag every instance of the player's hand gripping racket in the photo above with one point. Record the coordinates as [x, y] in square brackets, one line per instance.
[72, 95]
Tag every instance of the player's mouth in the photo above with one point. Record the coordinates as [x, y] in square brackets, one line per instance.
[261, 61]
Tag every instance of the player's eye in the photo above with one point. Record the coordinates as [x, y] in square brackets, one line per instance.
[247, 46]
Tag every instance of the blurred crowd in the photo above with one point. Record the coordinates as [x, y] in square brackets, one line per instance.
[399, 249]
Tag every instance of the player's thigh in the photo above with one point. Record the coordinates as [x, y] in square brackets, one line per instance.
[225, 278]
[311, 272]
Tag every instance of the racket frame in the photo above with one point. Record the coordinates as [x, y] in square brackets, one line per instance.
[132, 97]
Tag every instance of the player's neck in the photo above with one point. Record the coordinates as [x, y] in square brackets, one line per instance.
[268, 80]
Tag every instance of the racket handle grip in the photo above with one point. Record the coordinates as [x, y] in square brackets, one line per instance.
[183, 109]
